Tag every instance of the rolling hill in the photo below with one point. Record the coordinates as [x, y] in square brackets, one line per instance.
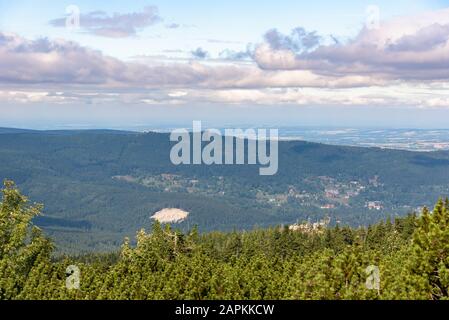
[99, 186]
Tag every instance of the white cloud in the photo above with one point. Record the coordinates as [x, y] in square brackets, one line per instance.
[405, 48]
[386, 66]
[117, 25]
[177, 94]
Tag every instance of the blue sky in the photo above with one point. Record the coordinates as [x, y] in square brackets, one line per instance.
[137, 62]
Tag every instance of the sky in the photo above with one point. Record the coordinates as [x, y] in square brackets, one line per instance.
[124, 64]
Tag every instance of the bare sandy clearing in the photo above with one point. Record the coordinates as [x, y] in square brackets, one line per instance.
[170, 215]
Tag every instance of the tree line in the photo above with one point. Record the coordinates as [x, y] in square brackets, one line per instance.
[411, 255]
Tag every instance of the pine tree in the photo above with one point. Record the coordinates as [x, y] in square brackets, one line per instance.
[22, 245]
[429, 268]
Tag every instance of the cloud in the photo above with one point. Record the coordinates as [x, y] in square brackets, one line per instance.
[117, 25]
[199, 53]
[299, 40]
[224, 41]
[403, 62]
[58, 62]
[429, 37]
[404, 48]
[394, 96]
[173, 26]
[233, 55]
[177, 94]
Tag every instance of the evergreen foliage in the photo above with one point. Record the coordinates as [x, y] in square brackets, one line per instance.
[412, 254]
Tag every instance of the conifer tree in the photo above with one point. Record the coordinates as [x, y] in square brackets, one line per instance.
[429, 267]
[22, 245]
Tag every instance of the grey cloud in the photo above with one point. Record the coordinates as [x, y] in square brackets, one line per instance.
[425, 39]
[199, 53]
[60, 62]
[55, 65]
[383, 53]
[233, 55]
[173, 26]
[45, 63]
[117, 25]
[335, 39]
[228, 54]
[299, 40]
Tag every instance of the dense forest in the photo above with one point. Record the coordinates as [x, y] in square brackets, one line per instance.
[411, 254]
[100, 186]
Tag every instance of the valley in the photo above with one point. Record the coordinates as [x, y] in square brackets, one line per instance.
[101, 186]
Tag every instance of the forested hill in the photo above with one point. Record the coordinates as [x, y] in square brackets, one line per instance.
[404, 258]
[99, 186]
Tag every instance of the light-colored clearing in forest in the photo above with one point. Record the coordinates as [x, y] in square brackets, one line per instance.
[170, 215]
